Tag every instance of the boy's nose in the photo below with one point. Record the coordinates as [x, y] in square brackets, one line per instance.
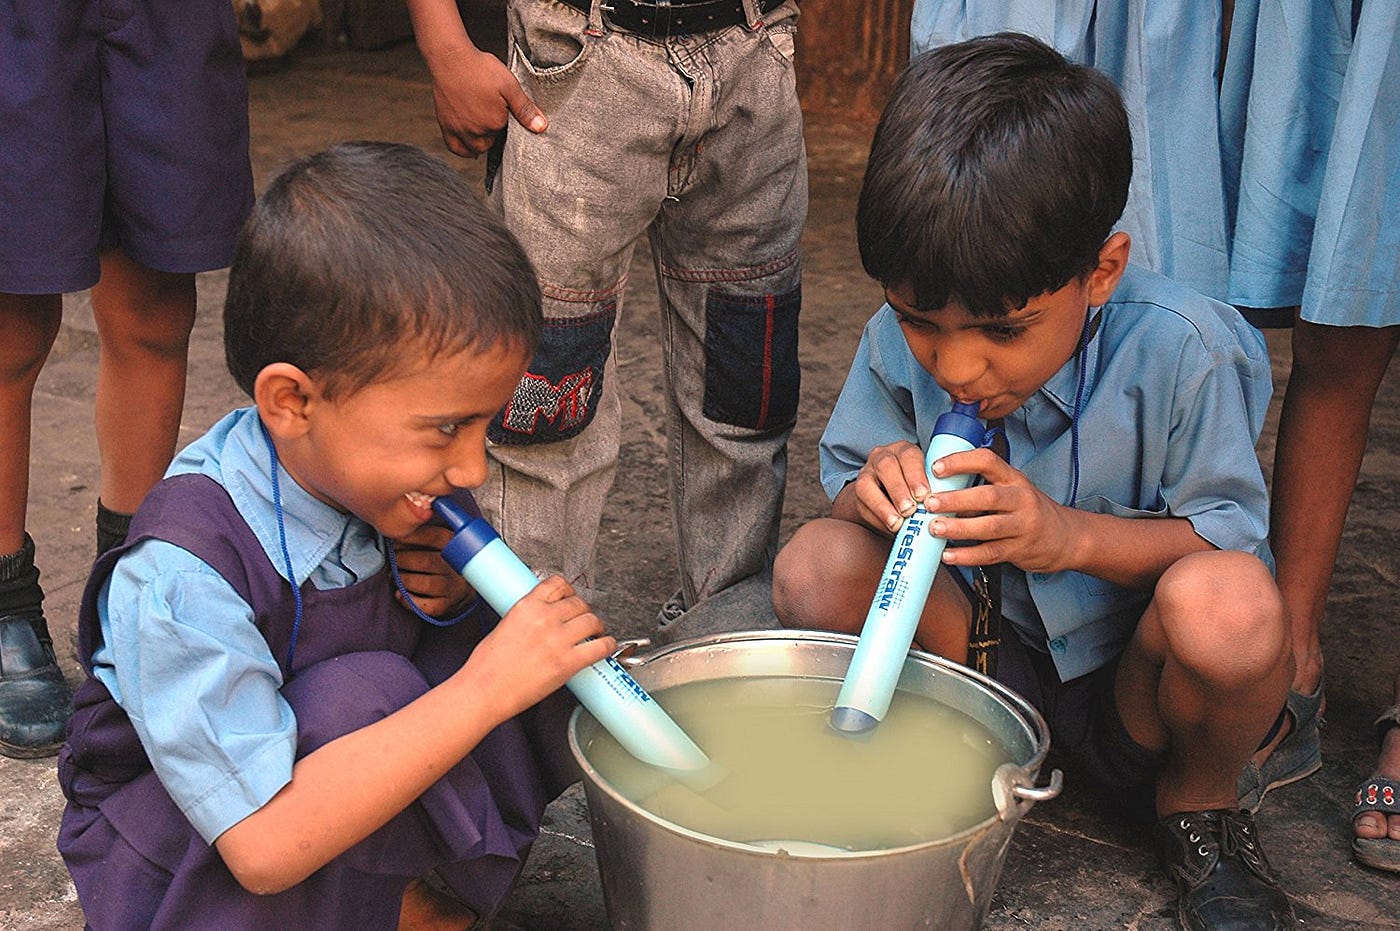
[956, 370]
[468, 471]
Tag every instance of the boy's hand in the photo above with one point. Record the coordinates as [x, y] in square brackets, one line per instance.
[887, 489]
[473, 92]
[1012, 520]
[475, 95]
[537, 647]
[435, 588]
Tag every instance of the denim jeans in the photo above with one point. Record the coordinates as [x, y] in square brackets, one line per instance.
[695, 141]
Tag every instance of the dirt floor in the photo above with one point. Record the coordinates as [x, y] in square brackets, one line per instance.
[1067, 867]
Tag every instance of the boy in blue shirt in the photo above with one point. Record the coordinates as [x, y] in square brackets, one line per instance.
[275, 730]
[1139, 611]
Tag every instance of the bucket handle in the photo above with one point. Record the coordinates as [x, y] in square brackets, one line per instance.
[627, 650]
[1041, 793]
[1014, 797]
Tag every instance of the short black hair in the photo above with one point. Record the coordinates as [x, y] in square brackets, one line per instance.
[362, 249]
[997, 172]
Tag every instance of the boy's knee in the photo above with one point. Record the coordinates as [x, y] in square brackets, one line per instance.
[1221, 610]
[345, 693]
[825, 576]
[793, 574]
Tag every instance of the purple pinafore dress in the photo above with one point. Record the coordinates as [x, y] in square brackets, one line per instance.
[137, 862]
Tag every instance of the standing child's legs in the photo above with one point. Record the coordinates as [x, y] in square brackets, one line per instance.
[1322, 435]
[33, 696]
[144, 318]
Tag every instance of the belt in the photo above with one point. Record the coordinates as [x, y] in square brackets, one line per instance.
[673, 19]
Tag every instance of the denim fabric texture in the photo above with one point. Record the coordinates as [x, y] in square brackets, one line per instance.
[696, 142]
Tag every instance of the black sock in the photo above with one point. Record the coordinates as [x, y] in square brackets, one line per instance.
[111, 528]
[20, 593]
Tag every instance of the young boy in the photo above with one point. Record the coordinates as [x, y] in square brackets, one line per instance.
[1139, 611]
[267, 738]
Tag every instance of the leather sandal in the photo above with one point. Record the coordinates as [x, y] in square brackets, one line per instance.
[1220, 869]
[1381, 794]
[34, 698]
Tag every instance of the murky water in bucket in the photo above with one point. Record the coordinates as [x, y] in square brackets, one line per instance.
[790, 781]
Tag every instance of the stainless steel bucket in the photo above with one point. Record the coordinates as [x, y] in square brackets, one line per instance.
[659, 876]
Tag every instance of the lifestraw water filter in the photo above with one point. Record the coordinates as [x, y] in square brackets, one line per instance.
[606, 689]
[904, 586]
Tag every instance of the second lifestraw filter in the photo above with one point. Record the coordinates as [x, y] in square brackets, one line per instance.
[606, 689]
[904, 586]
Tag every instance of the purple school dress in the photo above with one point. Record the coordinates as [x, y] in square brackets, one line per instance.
[137, 862]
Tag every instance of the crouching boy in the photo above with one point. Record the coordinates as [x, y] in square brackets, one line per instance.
[1139, 610]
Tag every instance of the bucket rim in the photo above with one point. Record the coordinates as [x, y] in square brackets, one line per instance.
[1030, 717]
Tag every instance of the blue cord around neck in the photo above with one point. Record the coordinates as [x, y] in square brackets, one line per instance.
[282, 540]
[1085, 337]
[291, 577]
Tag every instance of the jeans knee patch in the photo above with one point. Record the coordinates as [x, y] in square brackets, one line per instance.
[557, 396]
[751, 371]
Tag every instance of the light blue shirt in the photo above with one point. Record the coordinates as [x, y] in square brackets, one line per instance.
[181, 653]
[1175, 391]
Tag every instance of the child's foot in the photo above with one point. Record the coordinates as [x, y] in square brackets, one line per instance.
[34, 698]
[1294, 753]
[427, 909]
[1219, 867]
[1376, 821]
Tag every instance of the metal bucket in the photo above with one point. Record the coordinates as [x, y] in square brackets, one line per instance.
[659, 876]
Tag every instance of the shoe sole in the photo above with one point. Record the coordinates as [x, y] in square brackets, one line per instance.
[19, 752]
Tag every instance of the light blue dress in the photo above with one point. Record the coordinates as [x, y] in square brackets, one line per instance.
[1354, 265]
[1270, 190]
[1164, 57]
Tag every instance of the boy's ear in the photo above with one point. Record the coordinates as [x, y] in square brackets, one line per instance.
[1113, 261]
[282, 393]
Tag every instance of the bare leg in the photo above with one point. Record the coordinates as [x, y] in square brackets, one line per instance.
[144, 319]
[1204, 675]
[30, 324]
[1322, 435]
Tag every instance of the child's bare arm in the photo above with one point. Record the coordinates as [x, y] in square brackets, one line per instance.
[347, 789]
[474, 94]
[1014, 521]
[885, 490]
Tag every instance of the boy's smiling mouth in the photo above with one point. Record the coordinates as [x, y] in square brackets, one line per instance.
[422, 504]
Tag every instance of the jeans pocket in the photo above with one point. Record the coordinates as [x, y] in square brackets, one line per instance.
[752, 378]
[550, 39]
[557, 396]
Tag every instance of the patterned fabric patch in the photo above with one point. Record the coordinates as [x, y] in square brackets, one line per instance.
[752, 377]
[555, 398]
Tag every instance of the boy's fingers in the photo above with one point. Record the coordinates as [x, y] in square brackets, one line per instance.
[525, 110]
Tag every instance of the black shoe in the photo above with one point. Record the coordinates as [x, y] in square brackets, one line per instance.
[34, 698]
[1225, 881]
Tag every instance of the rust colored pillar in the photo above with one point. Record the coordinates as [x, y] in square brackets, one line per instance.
[849, 52]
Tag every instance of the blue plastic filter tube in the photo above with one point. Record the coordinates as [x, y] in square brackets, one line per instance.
[899, 600]
[607, 690]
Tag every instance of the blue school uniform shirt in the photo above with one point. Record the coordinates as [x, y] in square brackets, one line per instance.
[180, 650]
[1176, 386]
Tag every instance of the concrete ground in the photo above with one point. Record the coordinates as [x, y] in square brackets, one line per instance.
[1067, 867]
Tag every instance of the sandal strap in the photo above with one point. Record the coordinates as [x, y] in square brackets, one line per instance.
[1378, 794]
[1389, 718]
